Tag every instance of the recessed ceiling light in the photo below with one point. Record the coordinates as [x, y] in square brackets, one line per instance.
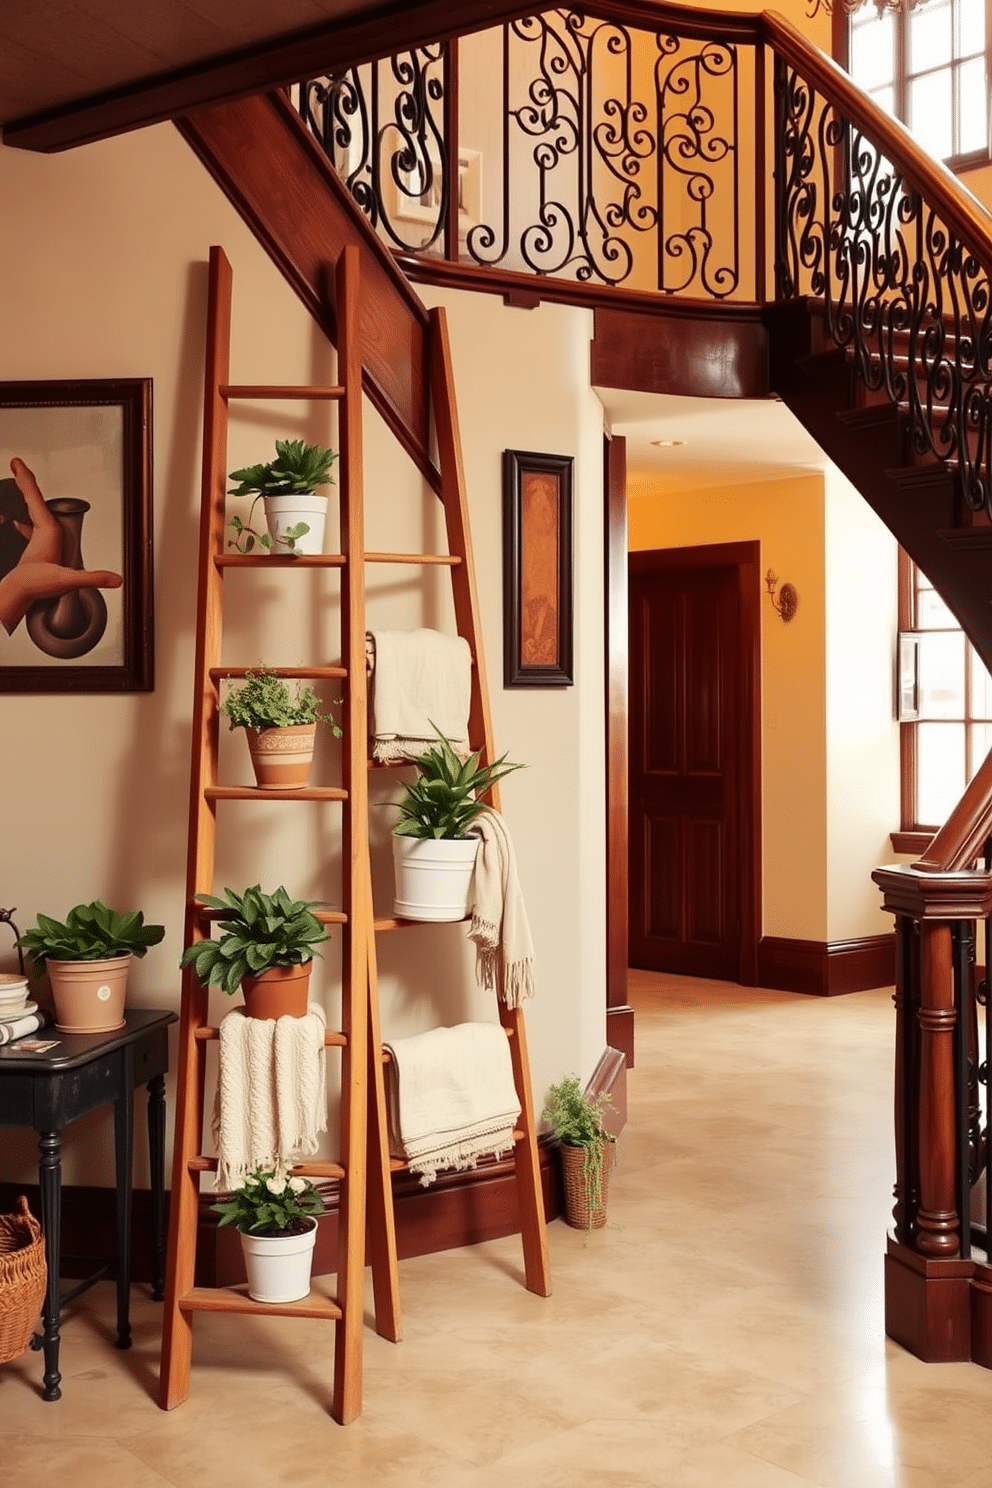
[666, 443]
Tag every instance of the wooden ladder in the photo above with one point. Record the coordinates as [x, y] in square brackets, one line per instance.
[364, 1166]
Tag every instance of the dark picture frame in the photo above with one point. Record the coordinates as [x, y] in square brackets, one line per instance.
[537, 569]
[89, 444]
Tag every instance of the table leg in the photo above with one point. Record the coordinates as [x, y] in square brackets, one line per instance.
[156, 1169]
[50, 1180]
[123, 1153]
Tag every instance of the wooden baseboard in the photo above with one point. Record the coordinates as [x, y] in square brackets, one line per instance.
[620, 1031]
[827, 968]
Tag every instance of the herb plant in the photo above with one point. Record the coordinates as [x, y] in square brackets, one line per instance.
[265, 701]
[578, 1122]
[90, 932]
[259, 931]
[444, 799]
[298, 468]
[270, 1203]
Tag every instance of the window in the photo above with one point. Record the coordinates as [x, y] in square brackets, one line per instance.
[945, 705]
[930, 68]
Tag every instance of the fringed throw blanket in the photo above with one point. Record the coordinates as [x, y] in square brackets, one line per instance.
[451, 1097]
[271, 1098]
[421, 679]
[504, 951]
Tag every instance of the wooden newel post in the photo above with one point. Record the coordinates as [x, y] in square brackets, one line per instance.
[937, 1221]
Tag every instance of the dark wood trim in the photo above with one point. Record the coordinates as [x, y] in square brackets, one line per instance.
[609, 1079]
[89, 1226]
[827, 968]
[928, 1304]
[746, 558]
[703, 356]
[911, 842]
[619, 1016]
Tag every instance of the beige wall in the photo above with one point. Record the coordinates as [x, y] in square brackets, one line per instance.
[103, 256]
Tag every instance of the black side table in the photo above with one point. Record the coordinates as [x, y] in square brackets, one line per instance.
[47, 1092]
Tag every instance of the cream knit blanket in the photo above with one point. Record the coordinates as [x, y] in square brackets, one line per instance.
[504, 951]
[451, 1097]
[271, 1094]
[421, 680]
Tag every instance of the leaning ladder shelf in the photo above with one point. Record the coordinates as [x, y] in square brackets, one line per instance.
[364, 1166]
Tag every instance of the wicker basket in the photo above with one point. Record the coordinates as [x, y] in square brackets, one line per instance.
[578, 1203]
[22, 1279]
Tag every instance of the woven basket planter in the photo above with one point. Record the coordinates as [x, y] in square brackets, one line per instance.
[22, 1279]
[579, 1212]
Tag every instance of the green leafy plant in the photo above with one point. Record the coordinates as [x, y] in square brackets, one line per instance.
[259, 931]
[445, 798]
[271, 1202]
[90, 932]
[577, 1120]
[297, 468]
[265, 701]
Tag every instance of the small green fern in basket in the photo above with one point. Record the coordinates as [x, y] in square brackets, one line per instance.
[578, 1122]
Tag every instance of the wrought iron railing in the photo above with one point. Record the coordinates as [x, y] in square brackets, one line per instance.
[630, 148]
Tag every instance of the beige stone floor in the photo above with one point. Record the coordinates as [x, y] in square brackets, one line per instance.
[724, 1331]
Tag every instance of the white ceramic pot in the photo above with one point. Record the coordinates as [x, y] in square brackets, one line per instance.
[433, 877]
[89, 995]
[278, 1266]
[282, 513]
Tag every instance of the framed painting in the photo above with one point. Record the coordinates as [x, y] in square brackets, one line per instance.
[537, 569]
[76, 536]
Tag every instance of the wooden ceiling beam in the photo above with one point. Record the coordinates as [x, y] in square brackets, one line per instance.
[373, 30]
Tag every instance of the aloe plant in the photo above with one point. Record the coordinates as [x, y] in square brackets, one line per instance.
[445, 798]
[297, 468]
[265, 701]
[259, 931]
[90, 932]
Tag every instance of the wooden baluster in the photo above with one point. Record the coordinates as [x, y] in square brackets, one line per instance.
[937, 1221]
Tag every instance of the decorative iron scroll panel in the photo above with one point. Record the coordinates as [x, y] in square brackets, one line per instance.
[586, 149]
[909, 299]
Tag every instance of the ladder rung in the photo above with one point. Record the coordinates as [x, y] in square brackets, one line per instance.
[314, 392]
[270, 793]
[314, 1169]
[280, 560]
[218, 674]
[206, 912]
[448, 560]
[205, 1035]
[236, 1299]
[392, 923]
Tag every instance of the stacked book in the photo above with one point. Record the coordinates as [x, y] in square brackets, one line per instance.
[18, 1015]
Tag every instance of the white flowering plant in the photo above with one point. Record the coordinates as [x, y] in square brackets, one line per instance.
[270, 1202]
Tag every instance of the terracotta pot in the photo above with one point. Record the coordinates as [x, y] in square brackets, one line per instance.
[89, 995]
[579, 1212]
[282, 756]
[280, 992]
[278, 1266]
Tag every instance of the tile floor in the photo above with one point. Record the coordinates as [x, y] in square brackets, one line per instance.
[724, 1331]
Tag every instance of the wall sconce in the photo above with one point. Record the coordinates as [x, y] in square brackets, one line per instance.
[787, 602]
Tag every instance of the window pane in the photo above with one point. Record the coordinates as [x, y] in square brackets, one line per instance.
[981, 743]
[873, 52]
[929, 107]
[981, 687]
[972, 128]
[930, 35]
[931, 611]
[942, 674]
[939, 771]
[971, 27]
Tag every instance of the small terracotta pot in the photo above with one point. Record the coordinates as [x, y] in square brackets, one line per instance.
[280, 992]
[89, 995]
[282, 756]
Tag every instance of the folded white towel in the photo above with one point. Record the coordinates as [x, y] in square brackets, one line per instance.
[451, 1097]
[271, 1101]
[504, 951]
[421, 681]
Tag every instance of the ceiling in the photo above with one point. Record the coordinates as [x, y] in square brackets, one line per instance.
[725, 441]
[72, 71]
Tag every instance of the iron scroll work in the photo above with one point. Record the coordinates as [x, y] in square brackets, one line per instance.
[75, 536]
[611, 153]
[537, 569]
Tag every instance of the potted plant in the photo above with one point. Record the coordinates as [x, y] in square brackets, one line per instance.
[294, 513]
[433, 851]
[266, 948]
[274, 1213]
[279, 725]
[586, 1151]
[87, 958]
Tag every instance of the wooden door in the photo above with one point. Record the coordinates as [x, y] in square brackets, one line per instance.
[694, 868]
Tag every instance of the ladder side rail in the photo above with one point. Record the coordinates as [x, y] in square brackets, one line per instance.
[530, 1195]
[177, 1337]
[347, 1399]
